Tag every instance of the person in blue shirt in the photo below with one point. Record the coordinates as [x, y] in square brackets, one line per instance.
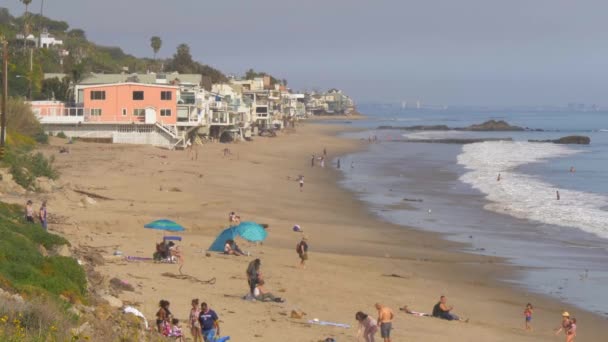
[209, 323]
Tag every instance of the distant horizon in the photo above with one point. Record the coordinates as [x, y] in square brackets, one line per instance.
[480, 52]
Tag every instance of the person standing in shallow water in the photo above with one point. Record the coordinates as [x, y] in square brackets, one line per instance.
[338, 166]
[557, 194]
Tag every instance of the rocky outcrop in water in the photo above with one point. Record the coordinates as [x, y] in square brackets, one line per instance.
[571, 139]
[493, 126]
[460, 141]
[488, 126]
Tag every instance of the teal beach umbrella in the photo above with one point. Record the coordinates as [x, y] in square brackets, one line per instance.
[251, 231]
[166, 225]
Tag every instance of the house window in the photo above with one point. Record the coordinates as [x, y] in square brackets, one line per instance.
[165, 95]
[139, 112]
[165, 112]
[138, 95]
[96, 112]
[98, 95]
[124, 112]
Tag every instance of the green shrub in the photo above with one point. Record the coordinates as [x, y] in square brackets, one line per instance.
[61, 135]
[25, 166]
[41, 138]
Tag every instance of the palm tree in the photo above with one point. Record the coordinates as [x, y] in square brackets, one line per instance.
[155, 43]
[25, 21]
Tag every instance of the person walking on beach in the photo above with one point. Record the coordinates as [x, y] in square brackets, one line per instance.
[302, 249]
[312, 161]
[29, 211]
[193, 323]
[322, 162]
[253, 275]
[338, 166]
[367, 327]
[301, 181]
[324, 152]
[385, 321]
[565, 326]
[528, 316]
[209, 321]
[42, 215]
[557, 194]
[498, 178]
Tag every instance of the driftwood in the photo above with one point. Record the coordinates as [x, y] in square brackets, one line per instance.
[93, 195]
[189, 277]
[394, 275]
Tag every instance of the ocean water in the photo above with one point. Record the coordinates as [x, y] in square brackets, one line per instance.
[561, 245]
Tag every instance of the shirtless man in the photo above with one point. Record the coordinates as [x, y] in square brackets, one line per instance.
[385, 321]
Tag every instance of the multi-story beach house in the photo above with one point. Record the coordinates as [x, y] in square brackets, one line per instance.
[164, 110]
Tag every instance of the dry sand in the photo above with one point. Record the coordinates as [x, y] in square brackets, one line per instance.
[350, 249]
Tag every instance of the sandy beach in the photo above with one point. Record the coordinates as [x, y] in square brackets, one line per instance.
[351, 251]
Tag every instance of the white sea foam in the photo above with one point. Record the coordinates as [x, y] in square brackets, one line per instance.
[526, 196]
[424, 135]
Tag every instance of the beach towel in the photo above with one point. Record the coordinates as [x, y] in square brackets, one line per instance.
[136, 258]
[331, 324]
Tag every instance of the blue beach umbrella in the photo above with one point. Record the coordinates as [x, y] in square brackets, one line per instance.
[166, 225]
[251, 231]
[220, 241]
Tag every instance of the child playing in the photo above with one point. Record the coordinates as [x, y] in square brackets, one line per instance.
[571, 333]
[176, 330]
[528, 315]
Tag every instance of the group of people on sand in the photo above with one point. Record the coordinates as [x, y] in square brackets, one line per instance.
[42, 214]
[369, 327]
[203, 323]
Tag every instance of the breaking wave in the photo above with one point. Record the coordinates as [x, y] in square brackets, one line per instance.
[528, 197]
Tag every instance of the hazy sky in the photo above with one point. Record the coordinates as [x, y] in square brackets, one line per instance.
[479, 52]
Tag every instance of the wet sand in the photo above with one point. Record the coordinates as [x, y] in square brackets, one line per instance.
[351, 250]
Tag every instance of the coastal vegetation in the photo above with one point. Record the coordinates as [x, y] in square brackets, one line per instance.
[78, 56]
[24, 133]
[37, 285]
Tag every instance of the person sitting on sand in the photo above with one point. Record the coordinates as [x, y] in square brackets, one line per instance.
[163, 316]
[367, 327]
[231, 248]
[385, 321]
[263, 295]
[443, 311]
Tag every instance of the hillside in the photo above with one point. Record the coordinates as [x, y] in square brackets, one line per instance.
[76, 57]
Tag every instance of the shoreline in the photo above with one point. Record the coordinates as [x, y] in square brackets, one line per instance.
[327, 212]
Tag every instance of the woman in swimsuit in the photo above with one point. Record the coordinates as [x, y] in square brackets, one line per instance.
[163, 316]
[367, 327]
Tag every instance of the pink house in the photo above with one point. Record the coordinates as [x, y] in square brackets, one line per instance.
[129, 102]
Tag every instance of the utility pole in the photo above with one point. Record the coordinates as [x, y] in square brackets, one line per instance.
[4, 95]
